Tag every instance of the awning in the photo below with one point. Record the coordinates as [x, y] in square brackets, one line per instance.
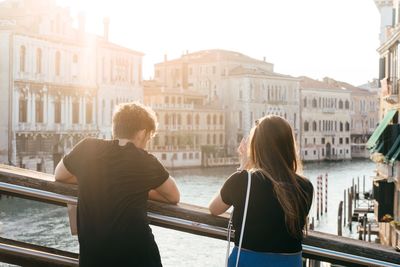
[395, 155]
[371, 143]
[378, 147]
[393, 149]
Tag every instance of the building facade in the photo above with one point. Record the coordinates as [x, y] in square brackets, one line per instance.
[191, 130]
[325, 121]
[58, 84]
[364, 110]
[251, 93]
[247, 88]
[384, 144]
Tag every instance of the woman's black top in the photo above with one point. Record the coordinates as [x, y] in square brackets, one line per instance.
[265, 229]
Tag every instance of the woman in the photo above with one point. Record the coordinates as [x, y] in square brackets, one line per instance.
[279, 201]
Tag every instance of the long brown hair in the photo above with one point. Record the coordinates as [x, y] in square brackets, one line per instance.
[272, 151]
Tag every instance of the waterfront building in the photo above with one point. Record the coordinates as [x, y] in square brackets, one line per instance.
[58, 84]
[325, 120]
[384, 143]
[247, 88]
[191, 129]
[364, 111]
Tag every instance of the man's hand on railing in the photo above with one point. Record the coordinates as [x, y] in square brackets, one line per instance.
[61, 174]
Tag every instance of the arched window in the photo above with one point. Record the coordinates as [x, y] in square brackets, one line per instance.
[173, 119]
[173, 100]
[23, 108]
[214, 139]
[208, 139]
[179, 119]
[314, 103]
[57, 63]
[38, 60]
[166, 100]
[197, 119]
[215, 119]
[314, 126]
[341, 126]
[22, 58]
[221, 119]
[166, 119]
[89, 112]
[348, 126]
[305, 102]
[306, 126]
[208, 119]
[74, 67]
[221, 139]
[57, 109]
[39, 109]
[340, 104]
[189, 119]
[347, 104]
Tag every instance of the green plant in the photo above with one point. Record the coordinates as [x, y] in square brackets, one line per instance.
[387, 218]
[396, 224]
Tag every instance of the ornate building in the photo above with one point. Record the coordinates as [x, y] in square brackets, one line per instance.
[364, 116]
[325, 120]
[191, 131]
[384, 144]
[58, 84]
[247, 88]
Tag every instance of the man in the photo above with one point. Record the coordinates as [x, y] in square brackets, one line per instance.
[115, 178]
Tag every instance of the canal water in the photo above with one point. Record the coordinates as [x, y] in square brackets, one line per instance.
[44, 224]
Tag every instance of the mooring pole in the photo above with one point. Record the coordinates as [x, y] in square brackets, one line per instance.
[318, 193]
[326, 192]
[339, 220]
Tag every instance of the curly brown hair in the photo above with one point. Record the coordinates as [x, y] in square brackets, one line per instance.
[129, 118]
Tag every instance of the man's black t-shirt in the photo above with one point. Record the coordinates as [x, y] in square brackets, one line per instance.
[113, 186]
[265, 229]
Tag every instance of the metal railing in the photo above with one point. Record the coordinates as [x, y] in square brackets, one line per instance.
[213, 229]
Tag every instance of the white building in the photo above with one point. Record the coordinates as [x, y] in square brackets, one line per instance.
[58, 84]
[247, 88]
[191, 132]
[325, 117]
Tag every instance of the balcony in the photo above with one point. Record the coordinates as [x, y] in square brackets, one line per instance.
[158, 106]
[390, 90]
[328, 110]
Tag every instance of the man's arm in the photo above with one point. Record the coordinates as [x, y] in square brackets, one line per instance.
[167, 192]
[61, 174]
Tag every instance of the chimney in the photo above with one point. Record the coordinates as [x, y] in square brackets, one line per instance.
[264, 59]
[165, 58]
[106, 25]
[81, 24]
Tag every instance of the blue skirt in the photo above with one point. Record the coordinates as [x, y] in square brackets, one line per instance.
[249, 258]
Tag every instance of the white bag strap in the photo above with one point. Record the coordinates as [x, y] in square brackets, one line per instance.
[228, 248]
[244, 217]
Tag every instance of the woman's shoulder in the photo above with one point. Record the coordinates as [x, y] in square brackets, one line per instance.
[239, 175]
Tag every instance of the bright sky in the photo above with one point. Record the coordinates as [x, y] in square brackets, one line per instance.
[316, 38]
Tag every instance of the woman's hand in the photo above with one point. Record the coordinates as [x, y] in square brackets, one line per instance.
[243, 156]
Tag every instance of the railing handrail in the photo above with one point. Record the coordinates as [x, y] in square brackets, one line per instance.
[197, 220]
